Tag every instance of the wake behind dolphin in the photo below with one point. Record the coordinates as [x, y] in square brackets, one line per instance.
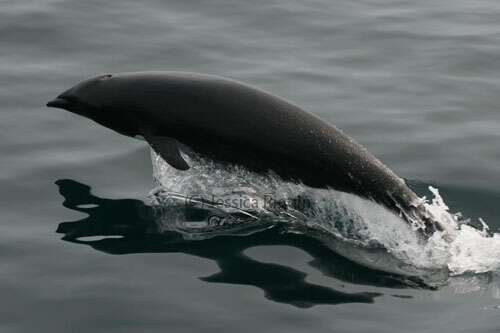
[236, 124]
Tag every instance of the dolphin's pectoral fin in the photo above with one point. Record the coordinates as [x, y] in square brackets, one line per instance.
[168, 149]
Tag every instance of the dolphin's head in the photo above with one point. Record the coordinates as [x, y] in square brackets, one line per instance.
[94, 99]
[87, 98]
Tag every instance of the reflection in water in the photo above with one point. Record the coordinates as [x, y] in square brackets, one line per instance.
[140, 232]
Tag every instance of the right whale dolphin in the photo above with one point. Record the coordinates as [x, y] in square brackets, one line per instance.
[232, 122]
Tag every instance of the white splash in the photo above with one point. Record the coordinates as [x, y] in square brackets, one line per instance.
[470, 250]
[354, 227]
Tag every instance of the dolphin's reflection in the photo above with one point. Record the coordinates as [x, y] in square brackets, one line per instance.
[139, 231]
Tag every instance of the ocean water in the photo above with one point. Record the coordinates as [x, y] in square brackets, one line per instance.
[82, 249]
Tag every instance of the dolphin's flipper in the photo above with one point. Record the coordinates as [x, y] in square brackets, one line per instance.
[168, 149]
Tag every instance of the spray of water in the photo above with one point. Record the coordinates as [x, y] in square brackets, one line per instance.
[357, 228]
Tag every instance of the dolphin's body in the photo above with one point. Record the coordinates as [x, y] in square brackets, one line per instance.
[234, 123]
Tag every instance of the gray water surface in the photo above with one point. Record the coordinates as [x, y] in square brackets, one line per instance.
[417, 83]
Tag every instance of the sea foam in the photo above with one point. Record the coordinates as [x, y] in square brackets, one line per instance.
[354, 227]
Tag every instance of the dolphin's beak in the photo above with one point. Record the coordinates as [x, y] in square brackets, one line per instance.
[59, 102]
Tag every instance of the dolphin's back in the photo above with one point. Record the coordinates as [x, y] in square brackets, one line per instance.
[234, 122]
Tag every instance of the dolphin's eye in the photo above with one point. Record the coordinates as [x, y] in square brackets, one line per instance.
[70, 98]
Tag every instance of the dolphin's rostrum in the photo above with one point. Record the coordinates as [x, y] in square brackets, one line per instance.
[234, 123]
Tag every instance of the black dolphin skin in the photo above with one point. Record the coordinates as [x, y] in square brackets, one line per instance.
[234, 123]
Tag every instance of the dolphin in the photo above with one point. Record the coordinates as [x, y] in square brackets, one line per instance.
[232, 122]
